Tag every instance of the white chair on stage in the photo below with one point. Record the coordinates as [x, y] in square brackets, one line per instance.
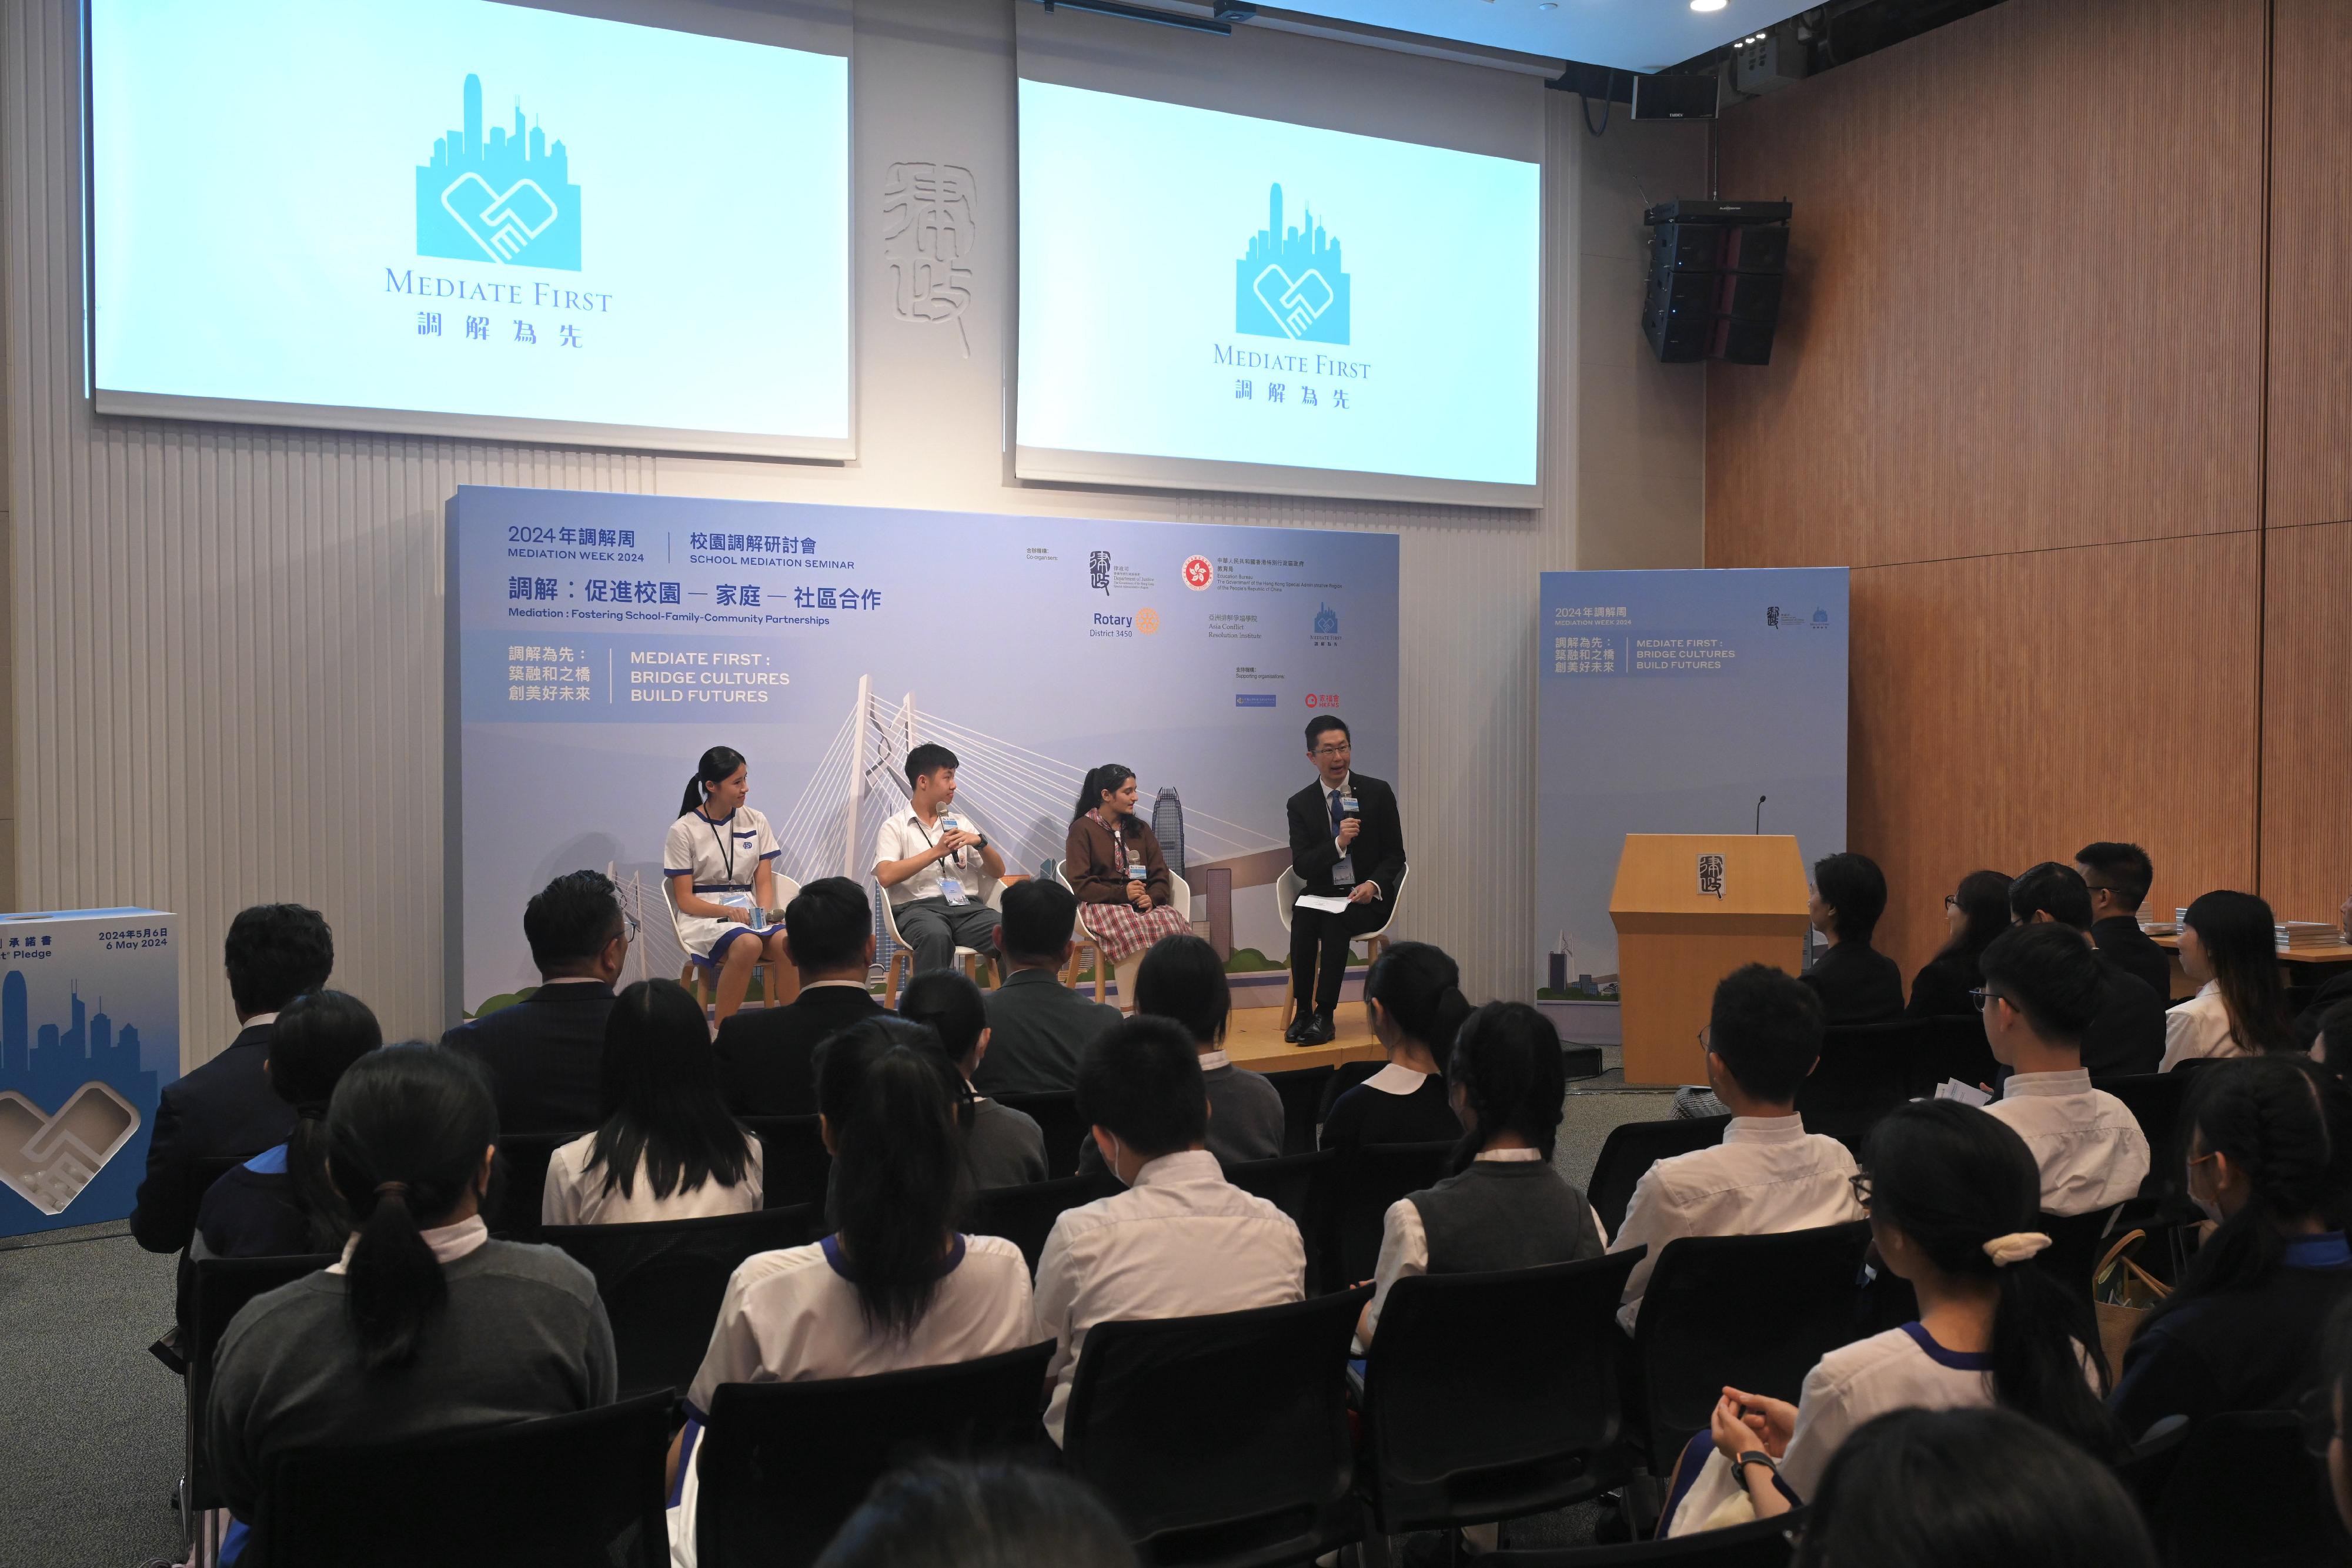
[699, 971]
[902, 956]
[1287, 889]
[1180, 897]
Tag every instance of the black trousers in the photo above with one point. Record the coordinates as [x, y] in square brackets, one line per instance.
[1319, 950]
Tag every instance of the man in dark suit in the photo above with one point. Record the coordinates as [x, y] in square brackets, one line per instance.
[2118, 877]
[546, 1052]
[1346, 841]
[1038, 1027]
[2127, 1034]
[767, 1055]
[274, 952]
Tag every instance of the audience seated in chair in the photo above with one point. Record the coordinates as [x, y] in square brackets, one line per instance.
[2331, 1042]
[545, 1053]
[426, 1324]
[2333, 992]
[2041, 989]
[1182, 980]
[1975, 912]
[1856, 983]
[1768, 1175]
[2270, 1143]
[280, 1204]
[666, 1147]
[1505, 1207]
[1038, 1027]
[979, 1516]
[895, 1286]
[1953, 1198]
[273, 953]
[765, 1054]
[2126, 1036]
[2229, 946]
[2118, 877]
[1413, 994]
[1182, 1241]
[1004, 1148]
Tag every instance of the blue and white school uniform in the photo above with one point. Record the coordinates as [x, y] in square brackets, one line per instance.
[720, 856]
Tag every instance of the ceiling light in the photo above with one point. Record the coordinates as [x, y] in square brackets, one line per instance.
[1708, 5]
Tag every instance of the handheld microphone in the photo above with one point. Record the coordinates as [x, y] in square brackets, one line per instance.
[1760, 811]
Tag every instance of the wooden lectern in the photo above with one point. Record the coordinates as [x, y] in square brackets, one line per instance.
[1689, 908]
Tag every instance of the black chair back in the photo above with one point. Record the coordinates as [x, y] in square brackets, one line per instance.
[1362, 1183]
[203, 1171]
[518, 1182]
[784, 1464]
[217, 1289]
[1491, 1396]
[560, 1493]
[793, 1165]
[1306, 1099]
[1687, 1353]
[1632, 1148]
[1057, 1119]
[662, 1282]
[1293, 1184]
[1221, 1439]
[2155, 1101]
[1761, 1543]
[1864, 1071]
[1953, 1047]
[1024, 1214]
[2245, 1494]
[2147, 1468]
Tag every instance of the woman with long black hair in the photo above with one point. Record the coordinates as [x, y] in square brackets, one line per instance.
[1113, 863]
[1413, 993]
[1976, 912]
[720, 861]
[279, 1203]
[2229, 942]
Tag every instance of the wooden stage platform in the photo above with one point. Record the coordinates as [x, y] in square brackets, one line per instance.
[1253, 1039]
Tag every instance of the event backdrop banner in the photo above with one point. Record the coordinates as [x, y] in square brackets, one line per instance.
[598, 643]
[1672, 701]
[89, 1034]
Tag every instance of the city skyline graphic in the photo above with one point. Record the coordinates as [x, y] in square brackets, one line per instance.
[505, 197]
[1290, 283]
[71, 1098]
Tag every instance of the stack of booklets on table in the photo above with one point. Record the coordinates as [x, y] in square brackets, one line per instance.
[2298, 934]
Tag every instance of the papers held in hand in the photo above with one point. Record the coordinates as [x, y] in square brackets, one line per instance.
[1324, 902]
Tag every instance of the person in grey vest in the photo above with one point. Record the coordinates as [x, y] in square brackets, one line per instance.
[1503, 1206]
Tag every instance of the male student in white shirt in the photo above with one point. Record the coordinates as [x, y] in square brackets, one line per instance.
[934, 866]
[2042, 985]
[1768, 1175]
[1182, 1241]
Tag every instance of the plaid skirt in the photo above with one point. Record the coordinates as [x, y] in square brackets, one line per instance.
[1121, 930]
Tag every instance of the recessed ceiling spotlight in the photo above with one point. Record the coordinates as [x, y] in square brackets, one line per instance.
[1708, 5]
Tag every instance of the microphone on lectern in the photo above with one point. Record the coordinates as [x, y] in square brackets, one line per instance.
[1760, 811]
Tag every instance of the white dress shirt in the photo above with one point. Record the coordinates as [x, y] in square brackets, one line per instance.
[1404, 1241]
[576, 1194]
[1182, 1242]
[2198, 1027]
[906, 835]
[2090, 1147]
[1768, 1175]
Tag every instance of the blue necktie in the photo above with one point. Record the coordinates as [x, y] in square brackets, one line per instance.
[1335, 813]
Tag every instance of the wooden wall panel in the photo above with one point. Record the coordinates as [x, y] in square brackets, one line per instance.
[2024, 302]
[2310, 467]
[2307, 721]
[2009, 709]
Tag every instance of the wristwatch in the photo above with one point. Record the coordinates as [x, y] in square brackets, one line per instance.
[1754, 1457]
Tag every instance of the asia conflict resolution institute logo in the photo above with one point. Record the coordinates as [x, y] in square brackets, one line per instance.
[508, 199]
[1288, 283]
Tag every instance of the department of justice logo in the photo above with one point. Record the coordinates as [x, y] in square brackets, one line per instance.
[507, 199]
[1288, 283]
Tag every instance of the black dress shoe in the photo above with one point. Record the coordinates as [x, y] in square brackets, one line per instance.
[1318, 1030]
[1298, 1025]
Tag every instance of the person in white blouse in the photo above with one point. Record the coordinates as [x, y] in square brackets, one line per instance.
[2042, 988]
[719, 859]
[1768, 1175]
[2229, 944]
[666, 1149]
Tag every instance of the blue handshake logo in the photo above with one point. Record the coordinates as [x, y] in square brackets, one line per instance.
[506, 198]
[1288, 283]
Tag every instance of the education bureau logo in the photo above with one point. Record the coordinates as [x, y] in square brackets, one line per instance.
[1198, 572]
[1288, 283]
[507, 199]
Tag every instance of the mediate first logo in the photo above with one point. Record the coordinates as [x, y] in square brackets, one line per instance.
[507, 199]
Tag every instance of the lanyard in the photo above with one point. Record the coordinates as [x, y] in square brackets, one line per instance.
[725, 842]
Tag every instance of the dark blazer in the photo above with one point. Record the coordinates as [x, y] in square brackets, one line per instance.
[1856, 985]
[225, 1107]
[2306, 1022]
[1089, 861]
[546, 1057]
[767, 1056]
[2124, 945]
[2127, 1034]
[1941, 986]
[1040, 1029]
[1378, 853]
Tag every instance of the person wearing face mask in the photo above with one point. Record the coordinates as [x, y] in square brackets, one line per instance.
[1182, 1241]
[2269, 1160]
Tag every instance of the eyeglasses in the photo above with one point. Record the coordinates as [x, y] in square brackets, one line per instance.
[1860, 1182]
[1340, 751]
[629, 926]
[1984, 993]
[1951, 901]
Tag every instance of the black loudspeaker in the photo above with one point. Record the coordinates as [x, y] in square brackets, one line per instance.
[1741, 342]
[1674, 97]
[1678, 332]
[1686, 247]
[1694, 291]
[1757, 248]
[1750, 297]
[1714, 282]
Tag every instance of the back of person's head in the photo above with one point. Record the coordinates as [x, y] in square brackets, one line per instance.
[1419, 987]
[1506, 1066]
[826, 925]
[319, 1035]
[1037, 920]
[661, 1099]
[2050, 974]
[570, 921]
[2239, 937]
[2051, 889]
[1767, 1027]
[1852, 885]
[949, 1006]
[1182, 978]
[407, 1131]
[273, 953]
[1140, 1082]
[1983, 898]
[898, 1183]
[1110, 776]
[2123, 870]
[927, 758]
[939, 1515]
[717, 765]
[1966, 1488]
[1964, 1189]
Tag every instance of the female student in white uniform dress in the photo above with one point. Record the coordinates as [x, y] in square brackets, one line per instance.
[719, 859]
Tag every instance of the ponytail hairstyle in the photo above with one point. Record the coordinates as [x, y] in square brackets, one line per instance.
[661, 1102]
[717, 767]
[1983, 899]
[2286, 1124]
[1420, 987]
[406, 1133]
[1954, 1179]
[1506, 1065]
[950, 1007]
[898, 1173]
[317, 1038]
[2240, 941]
[1109, 775]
